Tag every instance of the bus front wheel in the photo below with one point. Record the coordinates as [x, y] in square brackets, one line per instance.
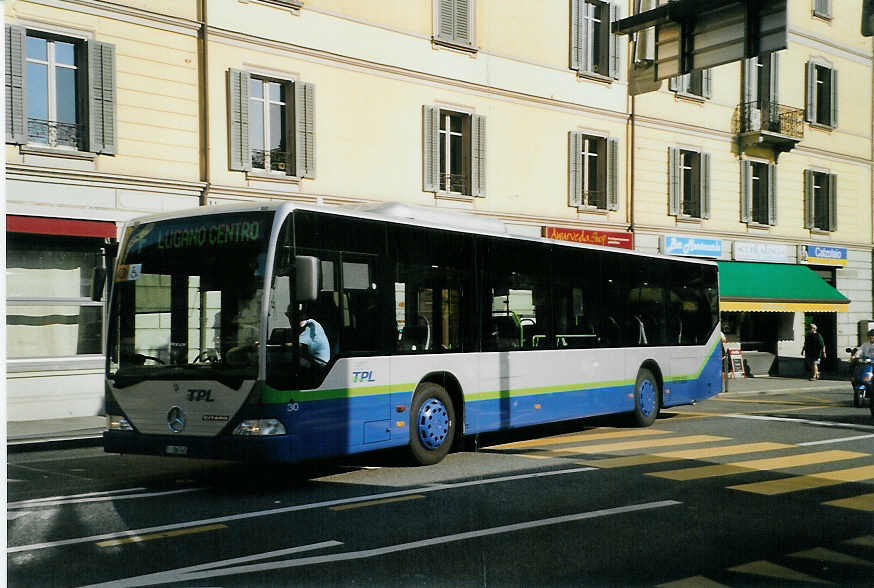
[432, 424]
[646, 398]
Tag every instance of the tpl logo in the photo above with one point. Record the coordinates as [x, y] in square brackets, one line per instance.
[362, 377]
[195, 395]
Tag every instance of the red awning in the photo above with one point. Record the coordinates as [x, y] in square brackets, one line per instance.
[60, 226]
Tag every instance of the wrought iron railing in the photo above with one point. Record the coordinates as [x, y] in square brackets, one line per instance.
[773, 117]
[594, 199]
[278, 160]
[454, 183]
[54, 133]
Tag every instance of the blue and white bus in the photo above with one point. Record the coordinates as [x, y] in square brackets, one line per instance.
[440, 325]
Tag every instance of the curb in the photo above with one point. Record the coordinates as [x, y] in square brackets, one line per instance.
[837, 388]
[50, 443]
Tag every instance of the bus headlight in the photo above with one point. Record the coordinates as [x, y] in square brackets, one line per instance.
[260, 427]
[116, 422]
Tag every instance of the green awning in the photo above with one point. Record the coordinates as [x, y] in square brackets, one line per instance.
[776, 287]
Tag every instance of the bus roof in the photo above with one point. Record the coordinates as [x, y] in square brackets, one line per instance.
[402, 213]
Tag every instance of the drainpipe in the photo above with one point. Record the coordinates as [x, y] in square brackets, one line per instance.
[203, 89]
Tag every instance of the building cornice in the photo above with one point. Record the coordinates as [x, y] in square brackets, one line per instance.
[828, 46]
[123, 13]
[743, 236]
[22, 172]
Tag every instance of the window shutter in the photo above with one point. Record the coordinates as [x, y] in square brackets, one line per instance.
[463, 29]
[575, 168]
[614, 61]
[478, 155]
[834, 97]
[101, 98]
[705, 185]
[588, 37]
[577, 26]
[774, 94]
[808, 199]
[646, 37]
[674, 84]
[810, 102]
[673, 181]
[746, 190]
[772, 194]
[832, 202]
[707, 83]
[304, 129]
[238, 119]
[430, 148]
[750, 81]
[16, 113]
[822, 8]
[445, 19]
[612, 174]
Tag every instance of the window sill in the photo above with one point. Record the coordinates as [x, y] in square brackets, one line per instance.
[594, 77]
[822, 126]
[291, 5]
[824, 17]
[455, 197]
[592, 210]
[814, 232]
[58, 157]
[690, 220]
[758, 226]
[694, 98]
[471, 50]
[66, 153]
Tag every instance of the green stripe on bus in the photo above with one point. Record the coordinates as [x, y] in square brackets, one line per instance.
[274, 396]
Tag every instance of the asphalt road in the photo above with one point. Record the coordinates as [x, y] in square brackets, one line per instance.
[736, 491]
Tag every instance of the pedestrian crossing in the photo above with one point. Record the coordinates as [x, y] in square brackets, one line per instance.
[665, 450]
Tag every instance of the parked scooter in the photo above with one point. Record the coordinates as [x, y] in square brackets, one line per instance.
[862, 379]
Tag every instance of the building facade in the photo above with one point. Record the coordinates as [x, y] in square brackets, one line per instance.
[527, 115]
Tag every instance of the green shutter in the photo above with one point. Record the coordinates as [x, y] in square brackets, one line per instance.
[446, 19]
[101, 98]
[750, 81]
[810, 101]
[614, 60]
[832, 202]
[576, 32]
[774, 95]
[746, 191]
[707, 83]
[834, 97]
[430, 148]
[704, 160]
[673, 181]
[16, 113]
[238, 120]
[478, 155]
[304, 130]
[772, 194]
[809, 214]
[575, 168]
[612, 174]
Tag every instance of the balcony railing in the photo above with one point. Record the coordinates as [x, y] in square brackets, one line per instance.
[772, 117]
[454, 183]
[273, 160]
[593, 199]
[54, 133]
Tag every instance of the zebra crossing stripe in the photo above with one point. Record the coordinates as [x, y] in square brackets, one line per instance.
[864, 502]
[581, 438]
[684, 454]
[774, 463]
[797, 483]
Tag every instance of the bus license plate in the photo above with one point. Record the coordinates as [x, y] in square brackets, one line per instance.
[177, 450]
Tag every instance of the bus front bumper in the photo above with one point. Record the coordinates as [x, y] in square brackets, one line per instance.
[276, 448]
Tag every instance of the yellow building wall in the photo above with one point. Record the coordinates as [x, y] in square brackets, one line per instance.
[156, 86]
[400, 15]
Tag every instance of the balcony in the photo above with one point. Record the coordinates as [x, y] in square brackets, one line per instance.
[769, 125]
[55, 133]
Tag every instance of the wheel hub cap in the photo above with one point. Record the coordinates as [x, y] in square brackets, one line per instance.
[433, 423]
[647, 396]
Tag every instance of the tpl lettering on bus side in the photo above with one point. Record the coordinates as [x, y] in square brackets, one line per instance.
[195, 395]
[361, 377]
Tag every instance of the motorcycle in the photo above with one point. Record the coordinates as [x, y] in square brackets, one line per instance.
[862, 378]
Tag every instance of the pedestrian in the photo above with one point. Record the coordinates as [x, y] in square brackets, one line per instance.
[814, 350]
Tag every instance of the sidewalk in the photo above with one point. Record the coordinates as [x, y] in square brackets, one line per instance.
[87, 431]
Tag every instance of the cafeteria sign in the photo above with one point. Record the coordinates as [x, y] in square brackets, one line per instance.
[691, 246]
[823, 255]
[604, 238]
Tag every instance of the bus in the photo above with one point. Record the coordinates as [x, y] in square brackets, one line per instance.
[439, 325]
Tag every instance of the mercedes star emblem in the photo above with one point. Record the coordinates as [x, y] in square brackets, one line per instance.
[176, 420]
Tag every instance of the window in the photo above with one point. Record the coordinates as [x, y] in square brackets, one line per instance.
[594, 49]
[593, 171]
[820, 199]
[60, 91]
[272, 127]
[454, 22]
[822, 94]
[689, 183]
[822, 9]
[761, 91]
[697, 84]
[758, 193]
[454, 155]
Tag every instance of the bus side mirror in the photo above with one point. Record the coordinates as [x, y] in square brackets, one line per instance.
[306, 278]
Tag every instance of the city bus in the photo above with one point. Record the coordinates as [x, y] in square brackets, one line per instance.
[438, 326]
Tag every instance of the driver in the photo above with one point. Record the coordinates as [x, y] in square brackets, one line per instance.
[312, 339]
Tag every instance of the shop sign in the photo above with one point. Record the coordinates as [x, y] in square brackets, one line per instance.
[605, 238]
[768, 252]
[822, 255]
[691, 246]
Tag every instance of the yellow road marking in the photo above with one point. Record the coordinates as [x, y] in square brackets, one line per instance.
[581, 438]
[865, 503]
[163, 535]
[377, 502]
[828, 555]
[797, 483]
[772, 570]
[774, 463]
[680, 454]
[693, 582]
[639, 444]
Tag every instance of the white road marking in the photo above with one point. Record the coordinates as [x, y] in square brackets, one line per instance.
[11, 516]
[64, 501]
[191, 574]
[276, 511]
[840, 440]
[829, 424]
[104, 493]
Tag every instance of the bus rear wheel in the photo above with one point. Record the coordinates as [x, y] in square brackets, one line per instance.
[432, 424]
[646, 398]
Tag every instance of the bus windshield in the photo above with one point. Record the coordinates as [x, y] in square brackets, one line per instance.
[187, 297]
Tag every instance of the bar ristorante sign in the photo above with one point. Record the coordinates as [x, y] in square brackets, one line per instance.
[622, 240]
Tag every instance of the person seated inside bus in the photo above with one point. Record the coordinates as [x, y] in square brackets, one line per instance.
[505, 334]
